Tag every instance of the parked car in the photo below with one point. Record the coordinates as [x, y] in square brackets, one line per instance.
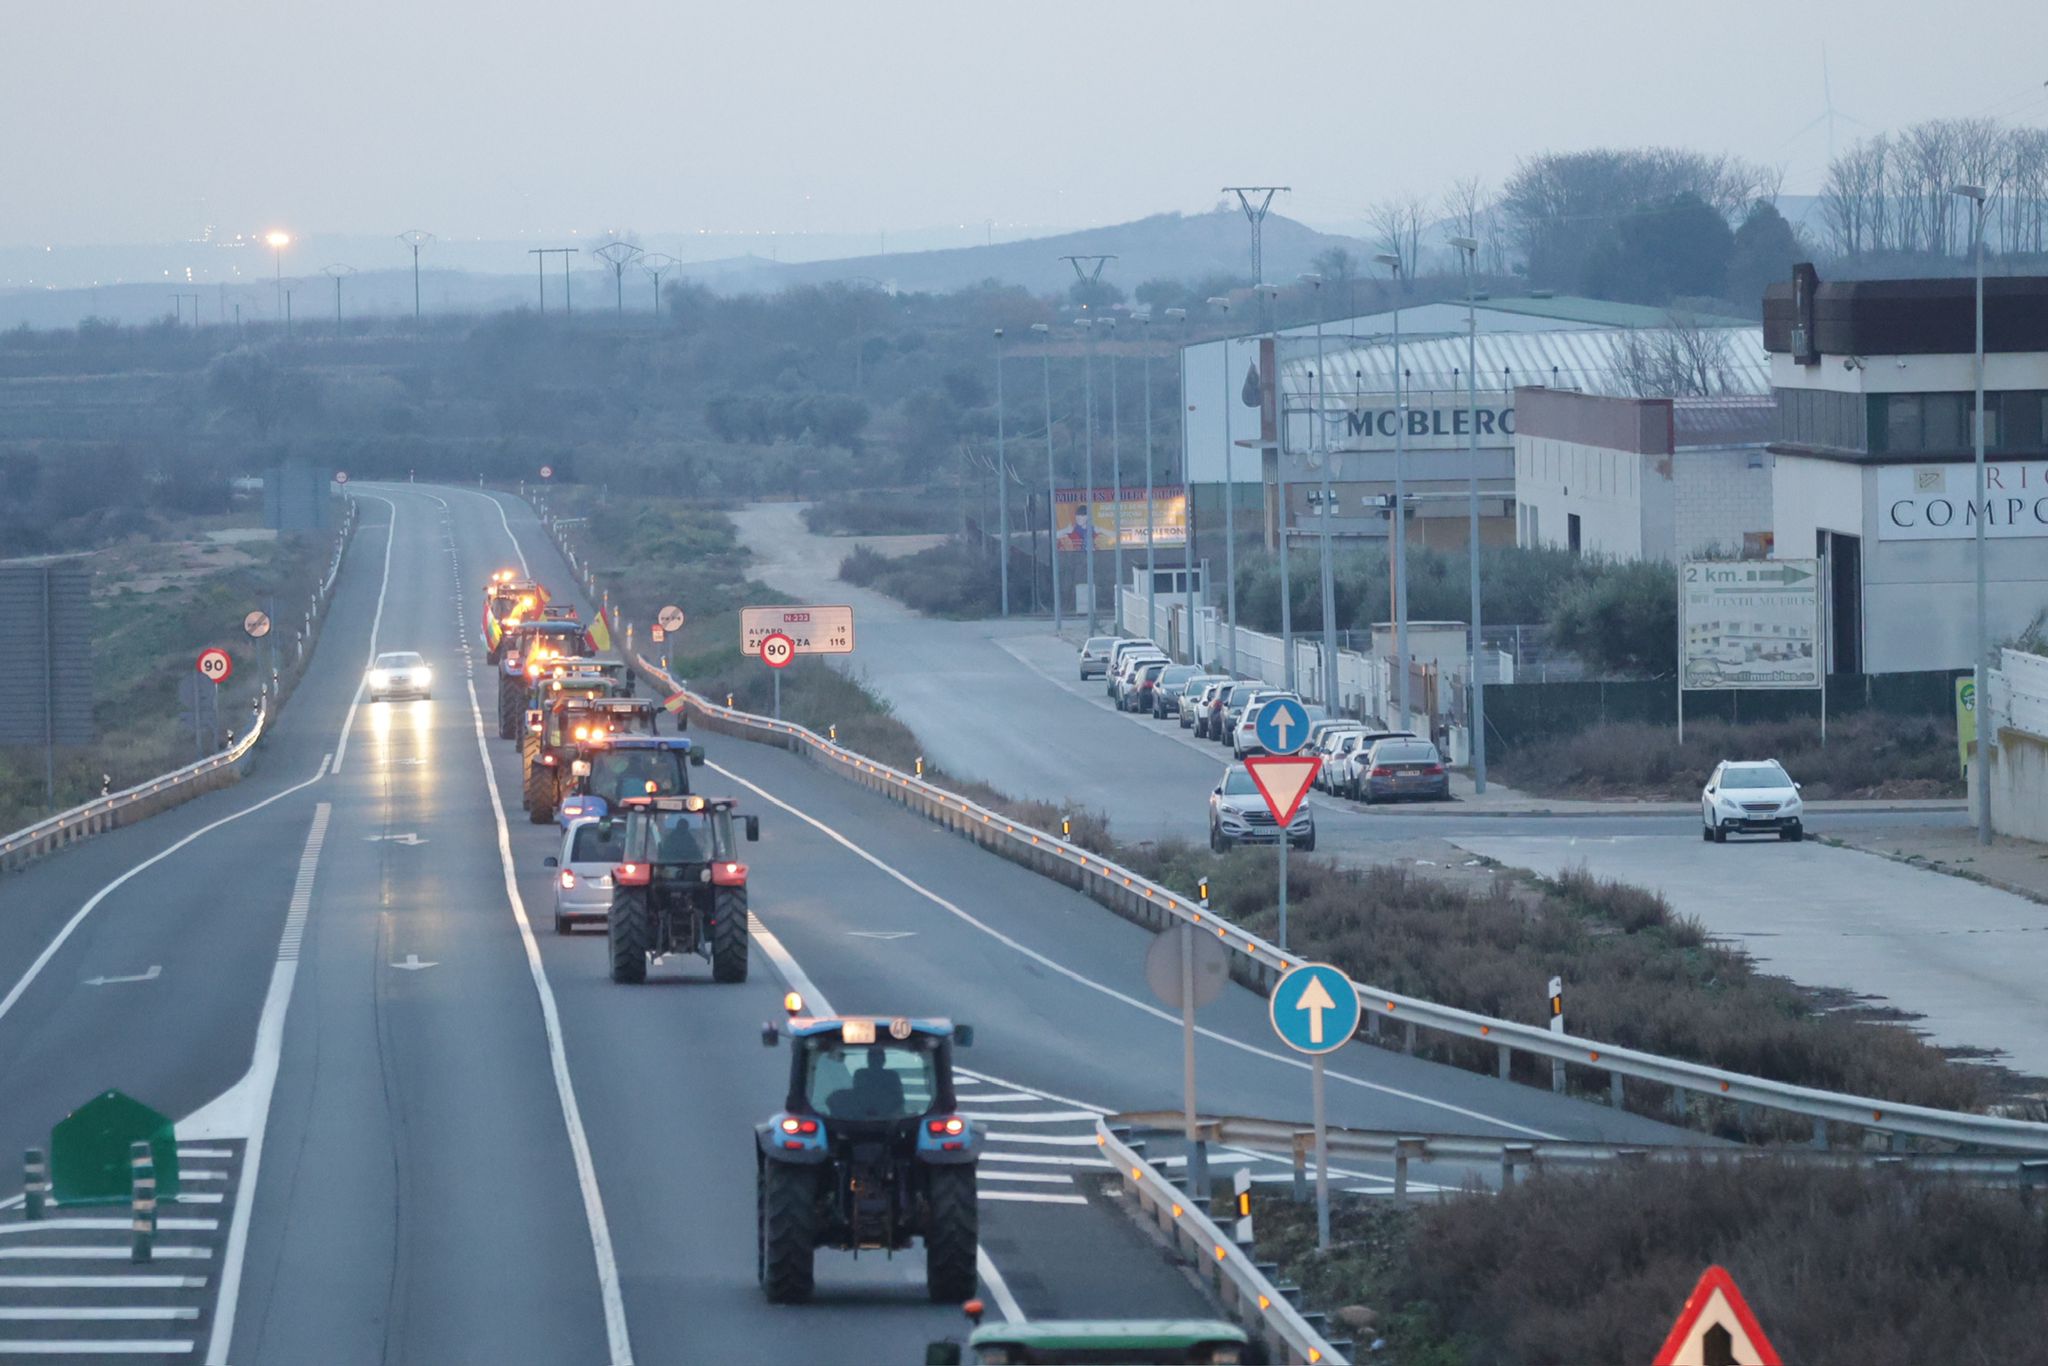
[1143, 682]
[1166, 689]
[1238, 815]
[1126, 675]
[1194, 695]
[1229, 704]
[1246, 739]
[583, 872]
[1209, 705]
[1235, 709]
[1095, 655]
[1120, 653]
[1324, 739]
[1401, 767]
[1751, 797]
[1354, 753]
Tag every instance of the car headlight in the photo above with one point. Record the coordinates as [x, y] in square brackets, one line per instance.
[380, 678]
[423, 675]
[1791, 804]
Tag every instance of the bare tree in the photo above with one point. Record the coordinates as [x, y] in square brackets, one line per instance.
[1683, 358]
[1397, 230]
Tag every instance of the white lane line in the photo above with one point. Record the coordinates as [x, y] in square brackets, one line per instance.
[1091, 984]
[609, 1291]
[1036, 1160]
[70, 1253]
[349, 721]
[106, 1313]
[1050, 1140]
[966, 1098]
[247, 1103]
[71, 925]
[1031, 1116]
[517, 549]
[998, 1288]
[185, 1174]
[75, 1347]
[1041, 1178]
[216, 1154]
[102, 1282]
[1031, 1197]
[1039, 1093]
[121, 1224]
[198, 1197]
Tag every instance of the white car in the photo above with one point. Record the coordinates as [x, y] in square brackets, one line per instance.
[1238, 814]
[583, 872]
[1751, 798]
[399, 674]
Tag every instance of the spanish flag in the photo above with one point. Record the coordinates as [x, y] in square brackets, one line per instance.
[600, 633]
[493, 633]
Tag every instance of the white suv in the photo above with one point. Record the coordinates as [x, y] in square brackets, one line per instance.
[1751, 798]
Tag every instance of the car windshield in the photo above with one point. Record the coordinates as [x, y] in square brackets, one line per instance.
[593, 845]
[1238, 783]
[615, 774]
[403, 659]
[1755, 775]
[893, 1080]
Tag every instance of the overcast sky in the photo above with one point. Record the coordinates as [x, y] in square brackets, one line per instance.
[147, 120]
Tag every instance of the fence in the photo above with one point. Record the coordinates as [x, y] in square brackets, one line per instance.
[201, 776]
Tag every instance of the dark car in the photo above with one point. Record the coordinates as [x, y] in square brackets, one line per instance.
[1167, 687]
[1401, 768]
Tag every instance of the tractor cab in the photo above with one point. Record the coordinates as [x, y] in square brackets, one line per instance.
[508, 600]
[615, 767]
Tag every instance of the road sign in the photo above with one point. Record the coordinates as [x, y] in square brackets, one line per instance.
[215, 666]
[256, 625]
[670, 618]
[1282, 726]
[1966, 720]
[1283, 780]
[777, 650]
[90, 1148]
[547, 471]
[341, 476]
[1314, 1009]
[813, 630]
[1749, 624]
[1162, 967]
[1717, 1327]
[656, 634]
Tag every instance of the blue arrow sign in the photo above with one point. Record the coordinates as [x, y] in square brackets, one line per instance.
[1282, 726]
[1314, 1009]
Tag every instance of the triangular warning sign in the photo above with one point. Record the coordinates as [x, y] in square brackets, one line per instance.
[1716, 1328]
[1283, 780]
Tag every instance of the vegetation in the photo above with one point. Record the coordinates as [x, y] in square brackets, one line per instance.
[1868, 754]
[957, 578]
[1838, 1264]
[887, 512]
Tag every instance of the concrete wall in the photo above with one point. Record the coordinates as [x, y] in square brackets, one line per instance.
[1720, 495]
[1604, 487]
[2019, 786]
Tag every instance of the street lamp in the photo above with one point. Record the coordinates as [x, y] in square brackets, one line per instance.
[1393, 263]
[1002, 482]
[1087, 533]
[278, 242]
[1271, 294]
[1981, 772]
[1229, 493]
[1052, 491]
[1319, 435]
[1187, 488]
[1468, 247]
[1116, 477]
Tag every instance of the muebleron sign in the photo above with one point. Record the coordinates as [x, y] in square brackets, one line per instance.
[1937, 502]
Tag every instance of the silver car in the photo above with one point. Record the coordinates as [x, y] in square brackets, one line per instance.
[1095, 655]
[1353, 753]
[1194, 695]
[583, 872]
[1751, 798]
[1238, 814]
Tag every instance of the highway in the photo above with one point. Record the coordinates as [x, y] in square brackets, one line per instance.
[449, 1137]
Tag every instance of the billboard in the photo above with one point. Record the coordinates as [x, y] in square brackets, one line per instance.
[1118, 517]
[1936, 502]
[1749, 624]
[46, 669]
[1435, 420]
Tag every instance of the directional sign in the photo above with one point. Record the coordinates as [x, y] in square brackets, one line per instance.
[1717, 1328]
[1282, 726]
[341, 476]
[1283, 780]
[547, 471]
[256, 625]
[670, 617]
[1749, 624]
[1314, 1009]
[814, 630]
[215, 666]
[1210, 969]
[777, 650]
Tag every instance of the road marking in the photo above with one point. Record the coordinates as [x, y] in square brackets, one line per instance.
[1031, 1197]
[1029, 1117]
[413, 963]
[408, 838]
[998, 1288]
[155, 971]
[1045, 1178]
[882, 934]
[103, 1282]
[965, 1099]
[102, 1254]
[348, 722]
[1050, 1140]
[107, 1312]
[1033, 1159]
[221, 1153]
[85, 1225]
[96, 1347]
[248, 1100]
[565, 1090]
[1080, 980]
[187, 1174]
[492, 499]
[71, 925]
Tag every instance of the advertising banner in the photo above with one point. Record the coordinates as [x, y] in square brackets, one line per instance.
[1935, 502]
[1115, 519]
[1749, 624]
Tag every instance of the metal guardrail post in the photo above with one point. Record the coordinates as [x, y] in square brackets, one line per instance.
[142, 1187]
[35, 1185]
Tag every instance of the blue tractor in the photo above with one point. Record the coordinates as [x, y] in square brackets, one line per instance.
[607, 770]
[868, 1153]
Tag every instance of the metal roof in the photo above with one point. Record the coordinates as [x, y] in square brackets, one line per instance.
[1730, 420]
[1587, 359]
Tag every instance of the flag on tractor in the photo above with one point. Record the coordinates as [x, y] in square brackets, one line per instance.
[493, 633]
[600, 633]
[674, 703]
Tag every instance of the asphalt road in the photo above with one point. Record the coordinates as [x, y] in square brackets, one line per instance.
[452, 1138]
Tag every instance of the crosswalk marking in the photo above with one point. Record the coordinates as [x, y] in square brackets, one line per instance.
[86, 1225]
[1055, 1140]
[1033, 1197]
[98, 1254]
[108, 1312]
[95, 1347]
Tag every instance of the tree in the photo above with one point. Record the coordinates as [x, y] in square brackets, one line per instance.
[1671, 247]
[1622, 621]
[1561, 207]
[1765, 248]
[1397, 230]
[1683, 358]
[1097, 296]
[249, 384]
[1335, 264]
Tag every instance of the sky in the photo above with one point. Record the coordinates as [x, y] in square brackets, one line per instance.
[148, 121]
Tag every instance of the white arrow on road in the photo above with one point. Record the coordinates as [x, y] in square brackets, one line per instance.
[407, 838]
[881, 934]
[413, 963]
[155, 971]
[1315, 999]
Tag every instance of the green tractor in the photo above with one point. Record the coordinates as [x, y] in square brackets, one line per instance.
[868, 1152]
[679, 886]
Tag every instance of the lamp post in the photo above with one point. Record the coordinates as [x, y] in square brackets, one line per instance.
[1319, 439]
[1052, 491]
[278, 242]
[1002, 483]
[1980, 772]
[1229, 495]
[1116, 477]
[1393, 263]
[1151, 526]
[1468, 247]
[1271, 294]
[1087, 533]
[1187, 487]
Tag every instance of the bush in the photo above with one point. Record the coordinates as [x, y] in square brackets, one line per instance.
[954, 579]
[1623, 621]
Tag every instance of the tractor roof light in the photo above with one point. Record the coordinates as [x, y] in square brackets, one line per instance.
[793, 1002]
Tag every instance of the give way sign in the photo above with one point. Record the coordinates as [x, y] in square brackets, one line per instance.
[1283, 780]
[1717, 1328]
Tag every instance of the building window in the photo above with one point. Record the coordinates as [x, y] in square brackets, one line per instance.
[1571, 531]
[1902, 423]
[1943, 421]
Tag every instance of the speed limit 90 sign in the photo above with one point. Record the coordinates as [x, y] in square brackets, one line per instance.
[777, 650]
[215, 666]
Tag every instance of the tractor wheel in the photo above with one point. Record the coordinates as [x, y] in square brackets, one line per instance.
[508, 709]
[630, 929]
[787, 1196]
[729, 935]
[953, 1237]
[540, 793]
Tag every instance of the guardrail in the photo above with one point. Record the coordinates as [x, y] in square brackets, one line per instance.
[1259, 964]
[180, 785]
[1238, 1279]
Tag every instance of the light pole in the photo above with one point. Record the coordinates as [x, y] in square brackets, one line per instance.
[1187, 486]
[1052, 483]
[1087, 533]
[1151, 525]
[1393, 262]
[1468, 247]
[1229, 495]
[1271, 294]
[1116, 477]
[278, 242]
[1002, 483]
[415, 238]
[1981, 772]
[1319, 438]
